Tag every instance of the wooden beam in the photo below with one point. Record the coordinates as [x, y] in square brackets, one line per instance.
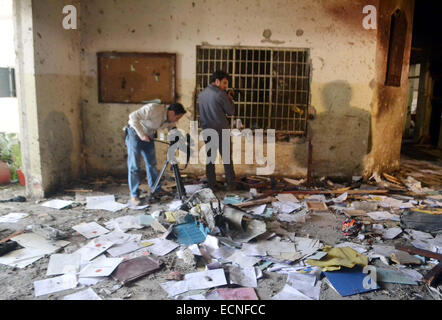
[255, 202]
[432, 277]
[420, 252]
[12, 236]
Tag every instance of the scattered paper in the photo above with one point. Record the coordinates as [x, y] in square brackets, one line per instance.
[259, 210]
[57, 204]
[161, 246]
[383, 215]
[52, 285]
[13, 217]
[242, 260]
[196, 281]
[192, 188]
[90, 230]
[290, 293]
[305, 283]
[287, 197]
[243, 276]
[63, 264]
[100, 268]
[124, 223]
[121, 249]
[93, 249]
[88, 294]
[175, 205]
[342, 198]
[286, 207]
[104, 203]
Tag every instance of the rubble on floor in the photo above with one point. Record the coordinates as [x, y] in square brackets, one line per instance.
[209, 247]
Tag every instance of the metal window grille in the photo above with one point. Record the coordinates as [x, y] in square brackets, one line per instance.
[272, 85]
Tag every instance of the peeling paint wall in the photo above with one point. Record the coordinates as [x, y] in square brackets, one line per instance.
[388, 103]
[49, 76]
[342, 52]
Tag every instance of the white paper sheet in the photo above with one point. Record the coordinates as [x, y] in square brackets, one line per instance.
[245, 277]
[391, 233]
[131, 206]
[35, 248]
[287, 197]
[305, 283]
[254, 249]
[57, 204]
[118, 237]
[259, 210]
[174, 205]
[88, 294]
[124, 223]
[104, 203]
[93, 249]
[101, 268]
[125, 248]
[95, 203]
[192, 188]
[290, 293]
[90, 230]
[22, 257]
[13, 217]
[196, 281]
[52, 285]
[342, 198]
[63, 264]
[357, 247]
[242, 260]
[286, 207]
[161, 246]
[383, 215]
[90, 281]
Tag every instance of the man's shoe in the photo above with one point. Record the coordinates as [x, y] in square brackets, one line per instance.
[135, 201]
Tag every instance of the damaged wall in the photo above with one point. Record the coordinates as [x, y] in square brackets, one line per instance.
[388, 102]
[343, 74]
[49, 69]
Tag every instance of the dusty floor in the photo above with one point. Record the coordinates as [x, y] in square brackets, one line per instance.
[17, 284]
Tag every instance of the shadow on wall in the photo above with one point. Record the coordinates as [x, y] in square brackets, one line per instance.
[340, 133]
[56, 150]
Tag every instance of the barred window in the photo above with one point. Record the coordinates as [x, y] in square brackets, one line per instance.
[272, 85]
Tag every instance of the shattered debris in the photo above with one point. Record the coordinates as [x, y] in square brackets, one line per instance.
[210, 247]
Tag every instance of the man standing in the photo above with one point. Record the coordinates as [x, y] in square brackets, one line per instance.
[214, 105]
[142, 129]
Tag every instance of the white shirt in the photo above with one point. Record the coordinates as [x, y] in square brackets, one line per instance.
[150, 118]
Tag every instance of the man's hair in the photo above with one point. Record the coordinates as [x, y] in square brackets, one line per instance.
[219, 74]
[177, 108]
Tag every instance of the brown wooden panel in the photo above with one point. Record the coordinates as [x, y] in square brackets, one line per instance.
[136, 77]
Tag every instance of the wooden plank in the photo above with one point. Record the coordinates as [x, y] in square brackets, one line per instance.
[432, 277]
[330, 192]
[255, 202]
[12, 236]
[420, 252]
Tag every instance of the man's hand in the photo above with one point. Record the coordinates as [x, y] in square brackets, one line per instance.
[145, 138]
[230, 93]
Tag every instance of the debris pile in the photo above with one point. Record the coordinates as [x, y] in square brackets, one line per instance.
[391, 232]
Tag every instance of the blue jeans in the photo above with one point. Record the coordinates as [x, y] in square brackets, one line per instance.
[135, 148]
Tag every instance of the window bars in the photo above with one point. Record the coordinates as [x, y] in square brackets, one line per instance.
[272, 85]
